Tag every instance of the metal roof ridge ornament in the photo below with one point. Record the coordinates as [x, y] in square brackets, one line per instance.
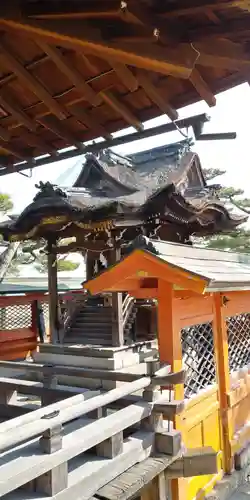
[48, 190]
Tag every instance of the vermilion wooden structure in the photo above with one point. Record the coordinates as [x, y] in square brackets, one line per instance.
[17, 343]
[73, 71]
[194, 286]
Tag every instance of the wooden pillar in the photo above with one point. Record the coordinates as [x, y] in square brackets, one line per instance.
[53, 293]
[89, 262]
[117, 317]
[223, 377]
[170, 351]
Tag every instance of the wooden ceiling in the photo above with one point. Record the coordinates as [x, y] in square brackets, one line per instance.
[75, 70]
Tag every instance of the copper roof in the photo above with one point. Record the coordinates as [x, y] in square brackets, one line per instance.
[75, 70]
[158, 187]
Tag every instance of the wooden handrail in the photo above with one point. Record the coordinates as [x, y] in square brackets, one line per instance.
[50, 420]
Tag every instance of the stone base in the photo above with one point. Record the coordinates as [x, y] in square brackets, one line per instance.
[126, 359]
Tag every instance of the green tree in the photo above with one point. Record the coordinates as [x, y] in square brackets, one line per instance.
[34, 252]
[15, 254]
[6, 203]
[238, 240]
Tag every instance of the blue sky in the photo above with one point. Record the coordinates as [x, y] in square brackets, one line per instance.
[230, 114]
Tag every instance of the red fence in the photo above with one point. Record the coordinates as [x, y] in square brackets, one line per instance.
[18, 325]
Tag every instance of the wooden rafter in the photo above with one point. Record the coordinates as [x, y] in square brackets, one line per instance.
[73, 75]
[4, 134]
[222, 54]
[61, 130]
[39, 143]
[10, 105]
[77, 34]
[123, 110]
[32, 83]
[168, 35]
[13, 150]
[202, 88]
[125, 74]
[155, 95]
[86, 118]
[197, 7]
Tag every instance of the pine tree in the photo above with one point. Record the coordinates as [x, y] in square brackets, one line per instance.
[238, 240]
[15, 254]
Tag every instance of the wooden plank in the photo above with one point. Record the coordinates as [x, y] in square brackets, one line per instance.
[92, 475]
[66, 414]
[34, 85]
[29, 465]
[18, 345]
[195, 462]
[16, 334]
[74, 77]
[131, 482]
[155, 95]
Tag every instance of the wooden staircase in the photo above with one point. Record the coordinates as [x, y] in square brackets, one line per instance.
[91, 323]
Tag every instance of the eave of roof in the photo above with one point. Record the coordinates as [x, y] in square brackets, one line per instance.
[195, 269]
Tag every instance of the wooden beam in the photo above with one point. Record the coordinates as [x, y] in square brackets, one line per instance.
[223, 377]
[60, 129]
[116, 141]
[34, 85]
[222, 54]
[72, 74]
[72, 10]
[197, 7]
[177, 61]
[202, 88]
[126, 76]
[85, 117]
[122, 109]
[142, 14]
[155, 95]
[10, 105]
[4, 133]
[38, 142]
[166, 35]
[53, 294]
[12, 149]
[212, 16]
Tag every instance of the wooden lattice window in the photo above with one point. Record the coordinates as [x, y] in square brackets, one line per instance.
[14, 317]
[238, 328]
[198, 357]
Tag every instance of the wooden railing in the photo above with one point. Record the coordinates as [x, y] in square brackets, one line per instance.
[42, 442]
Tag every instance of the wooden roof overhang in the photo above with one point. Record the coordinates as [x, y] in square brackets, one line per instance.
[72, 71]
[195, 270]
[54, 213]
